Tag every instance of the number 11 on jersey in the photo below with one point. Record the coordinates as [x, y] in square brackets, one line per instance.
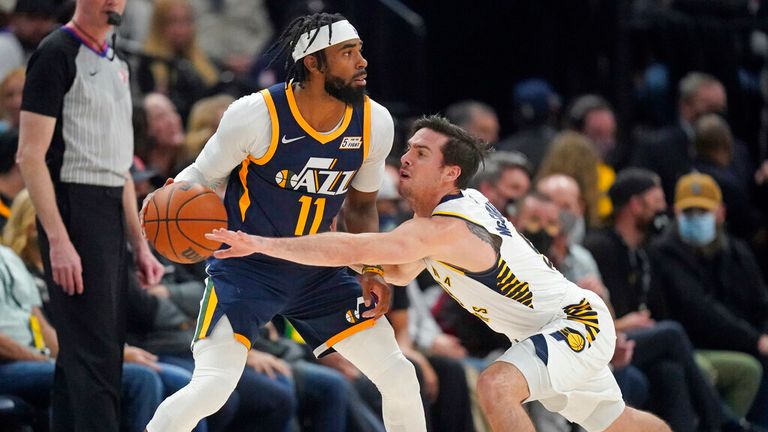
[306, 206]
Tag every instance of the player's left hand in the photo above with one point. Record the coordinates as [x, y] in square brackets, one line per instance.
[150, 271]
[240, 243]
[374, 286]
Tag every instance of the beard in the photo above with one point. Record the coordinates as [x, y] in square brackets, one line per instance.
[343, 91]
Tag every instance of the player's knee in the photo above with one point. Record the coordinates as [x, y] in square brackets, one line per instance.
[218, 367]
[398, 376]
[502, 382]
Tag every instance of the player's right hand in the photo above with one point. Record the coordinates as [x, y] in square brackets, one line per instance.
[144, 203]
[66, 266]
[375, 288]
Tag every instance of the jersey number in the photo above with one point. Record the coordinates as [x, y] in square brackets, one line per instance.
[306, 206]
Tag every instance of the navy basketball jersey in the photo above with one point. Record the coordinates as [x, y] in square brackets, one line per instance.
[298, 186]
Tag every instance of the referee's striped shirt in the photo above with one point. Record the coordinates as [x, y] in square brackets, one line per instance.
[72, 79]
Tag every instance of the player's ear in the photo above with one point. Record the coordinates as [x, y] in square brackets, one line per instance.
[311, 63]
[452, 172]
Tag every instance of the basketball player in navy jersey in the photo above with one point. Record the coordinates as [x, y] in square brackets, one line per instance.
[562, 336]
[291, 155]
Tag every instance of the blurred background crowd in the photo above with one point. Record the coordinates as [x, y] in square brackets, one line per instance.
[631, 147]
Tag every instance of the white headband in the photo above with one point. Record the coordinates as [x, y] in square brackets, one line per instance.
[342, 31]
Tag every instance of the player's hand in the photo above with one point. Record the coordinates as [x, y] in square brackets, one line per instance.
[240, 243]
[374, 286]
[144, 203]
[448, 346]
[132, 354]
[267, 364]
[149, 268]
[66, 266]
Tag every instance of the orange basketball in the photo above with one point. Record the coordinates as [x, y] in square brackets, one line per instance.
[178, 216]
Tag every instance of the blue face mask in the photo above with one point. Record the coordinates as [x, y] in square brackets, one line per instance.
[698, 229]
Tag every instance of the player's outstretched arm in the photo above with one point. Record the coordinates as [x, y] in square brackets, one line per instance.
[410, 242]
[397, 274]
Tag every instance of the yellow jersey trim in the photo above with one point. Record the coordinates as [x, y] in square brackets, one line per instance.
[275, 130]
[322, 138]
[245, 199]
[349, 332]
[461, 272]
[457, 215]
[243, 340]
[212, 302]
[366, 127]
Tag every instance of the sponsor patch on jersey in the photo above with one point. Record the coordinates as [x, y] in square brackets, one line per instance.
[351, 143]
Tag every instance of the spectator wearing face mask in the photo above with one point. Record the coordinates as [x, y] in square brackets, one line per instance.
[621, 254]
[712, 281]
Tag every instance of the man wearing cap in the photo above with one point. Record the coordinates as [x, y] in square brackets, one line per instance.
[662, 346]
[291, 155]
[712, 281]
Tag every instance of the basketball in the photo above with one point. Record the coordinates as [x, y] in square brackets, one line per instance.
[177, 217]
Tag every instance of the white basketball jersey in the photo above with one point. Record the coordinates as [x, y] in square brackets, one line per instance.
[522, 294]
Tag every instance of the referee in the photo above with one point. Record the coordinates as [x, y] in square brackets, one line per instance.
[75, 152]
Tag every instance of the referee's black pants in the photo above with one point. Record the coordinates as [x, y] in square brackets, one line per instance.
[90, 326]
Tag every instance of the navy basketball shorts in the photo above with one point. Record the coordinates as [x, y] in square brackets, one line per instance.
[324, 304]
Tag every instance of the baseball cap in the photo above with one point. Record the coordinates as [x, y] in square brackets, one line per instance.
[697, 190]
[630, 182]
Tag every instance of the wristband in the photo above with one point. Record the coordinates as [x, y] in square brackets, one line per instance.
[373, 269]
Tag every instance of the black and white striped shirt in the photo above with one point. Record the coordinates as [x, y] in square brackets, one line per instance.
[70, 78]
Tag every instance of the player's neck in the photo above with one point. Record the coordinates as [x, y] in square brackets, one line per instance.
[425, 205]
[321, 110]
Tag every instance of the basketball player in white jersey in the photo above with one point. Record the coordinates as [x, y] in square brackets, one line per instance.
[562, 336]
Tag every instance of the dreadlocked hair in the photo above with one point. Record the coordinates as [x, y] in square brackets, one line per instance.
[295, 69]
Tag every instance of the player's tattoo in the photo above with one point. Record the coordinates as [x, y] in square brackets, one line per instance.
[484, 235]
